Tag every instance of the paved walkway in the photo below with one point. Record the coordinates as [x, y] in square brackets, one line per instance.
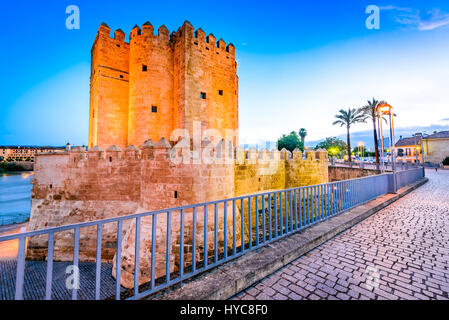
[402, 252]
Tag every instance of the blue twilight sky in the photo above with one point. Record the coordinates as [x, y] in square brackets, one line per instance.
[299, 62]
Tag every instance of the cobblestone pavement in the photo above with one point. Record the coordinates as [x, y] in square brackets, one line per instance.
[402, 252]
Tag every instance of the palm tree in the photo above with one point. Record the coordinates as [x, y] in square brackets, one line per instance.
[303, 134]
[370, 111]
[349, 118]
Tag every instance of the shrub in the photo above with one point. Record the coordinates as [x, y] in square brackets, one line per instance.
[10, 166]
[446, 161]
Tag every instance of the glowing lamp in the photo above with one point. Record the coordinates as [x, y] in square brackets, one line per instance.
[385, 108]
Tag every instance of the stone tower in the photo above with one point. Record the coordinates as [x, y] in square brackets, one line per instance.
[147, 88]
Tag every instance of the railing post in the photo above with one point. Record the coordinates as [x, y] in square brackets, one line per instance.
[75, 263]
[48, 285]
[118, 260]
[20, 269]
[98, 262]
[136, 256]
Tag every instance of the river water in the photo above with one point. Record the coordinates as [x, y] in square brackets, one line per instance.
[15, 197]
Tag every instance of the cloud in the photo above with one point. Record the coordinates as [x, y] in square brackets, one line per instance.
[417, 19]
[386, 8]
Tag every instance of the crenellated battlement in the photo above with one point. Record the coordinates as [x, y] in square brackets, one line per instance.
[183, 152]
[186, 31]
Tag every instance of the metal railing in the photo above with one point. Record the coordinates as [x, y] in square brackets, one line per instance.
[404, 178]
[387, 166]
[196, 238]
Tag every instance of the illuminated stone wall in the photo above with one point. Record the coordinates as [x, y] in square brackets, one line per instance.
[155, 84]
[79, 186]
[436, 150]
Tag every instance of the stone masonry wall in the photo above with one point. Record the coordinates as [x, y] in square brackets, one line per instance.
[436, 150]
[81, 186]
[344, 173]
[109, 89]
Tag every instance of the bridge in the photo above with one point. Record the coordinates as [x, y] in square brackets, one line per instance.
[251, 223]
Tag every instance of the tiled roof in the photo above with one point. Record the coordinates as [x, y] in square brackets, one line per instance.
[439, 135]
[408, 142]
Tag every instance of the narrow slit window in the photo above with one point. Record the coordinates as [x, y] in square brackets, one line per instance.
[144, 68]
[176, 194]
[220, 92]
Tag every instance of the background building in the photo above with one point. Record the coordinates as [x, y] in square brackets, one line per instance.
[409, 149]
[25, 153]
[436, 148]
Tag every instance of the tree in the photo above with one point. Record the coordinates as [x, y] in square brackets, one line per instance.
[358, 149]
[370, 111]
[303, 134]
[290, 142]
[347, 119]
[333, 145]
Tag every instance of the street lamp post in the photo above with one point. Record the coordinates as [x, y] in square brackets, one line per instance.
[420, 147]
[361, 150]
[386, 109]
[416, 150]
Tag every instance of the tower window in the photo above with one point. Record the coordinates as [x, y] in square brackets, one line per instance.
[121, 76]
[176, 194]
[144, 68]
[154, 109]
[220, 92]
[203, 95]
